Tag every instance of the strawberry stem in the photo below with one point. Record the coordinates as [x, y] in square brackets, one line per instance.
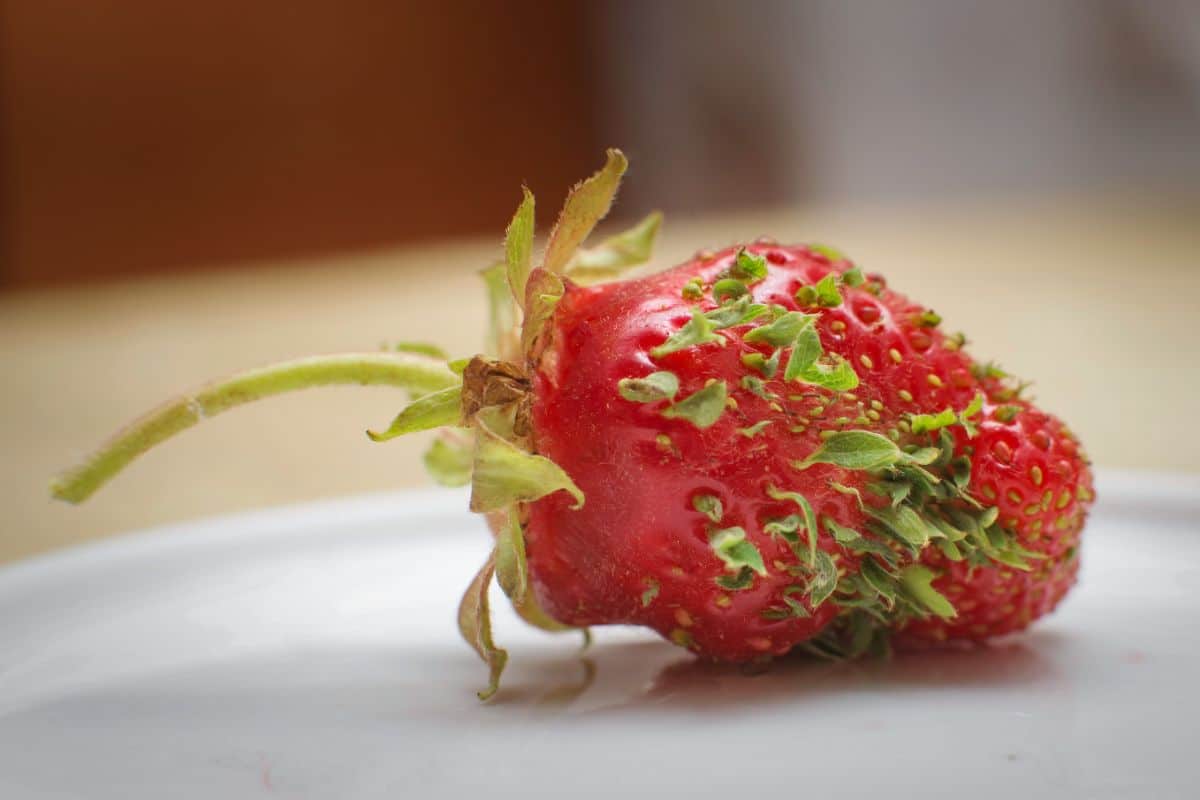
[419, 374]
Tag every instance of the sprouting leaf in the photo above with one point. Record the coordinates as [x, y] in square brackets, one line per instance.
[544, 290]
[448, 461]
[907, 525]
[916, 581]
[518, 247]
[475, 625]
[751, 431]
[749, 267]
[973, 408]
[767, 366]
[756, 387]
[924, 423]
[652, 589]
[655, 386]
[701, 408]
[421, 348]
[782, 331]
[693, 289]
[742, 579]
[737, 312]
[837, 376]
[708, 505]
[502, 311]
[698, 330]
[854, 450]
[587, 203]
[824, 579]
[504, 474]
[728, 289]
[928, 319]
[832, 253]
[855, 542]
[616, 254]
[880, 580]
[810, 519]
[853, 277]
[823, 293]
[431, 411]
[806, 349]
[731, 546]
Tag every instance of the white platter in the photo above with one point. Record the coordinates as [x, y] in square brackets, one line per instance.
[311, 652]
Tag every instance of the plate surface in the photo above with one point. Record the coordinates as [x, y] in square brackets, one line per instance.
[311, 652]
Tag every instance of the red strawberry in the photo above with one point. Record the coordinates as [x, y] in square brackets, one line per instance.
[755, 450]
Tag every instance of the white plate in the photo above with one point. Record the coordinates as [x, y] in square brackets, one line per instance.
[311, 652]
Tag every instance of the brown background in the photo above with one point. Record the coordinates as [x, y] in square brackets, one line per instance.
[142, 135]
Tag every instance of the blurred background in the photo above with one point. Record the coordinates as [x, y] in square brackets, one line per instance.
[190, 188]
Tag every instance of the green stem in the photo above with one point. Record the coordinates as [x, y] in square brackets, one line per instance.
[416, 373]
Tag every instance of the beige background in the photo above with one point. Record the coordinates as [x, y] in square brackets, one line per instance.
[1096, 300]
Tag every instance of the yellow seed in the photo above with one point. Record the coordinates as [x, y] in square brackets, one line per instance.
[731, 402]
[1033, 510]
[894, 354]
[904, 426]
[1046, 498]
[683, 618]
[1035, 474]
[837, 325]
[905, 395]
[760, 643]
[1014, 496]
[989, 492]
[1063, 500]
[878, 406]
[775, 407]
[827, 434]
[851, 396]
[816, 411]
[863, 420]
[723, 601]
[933, 380]
[682, 638]
[873, 414]
[677, 572]
[866, 361]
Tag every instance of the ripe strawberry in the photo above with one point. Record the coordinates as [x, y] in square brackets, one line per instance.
[756, 450]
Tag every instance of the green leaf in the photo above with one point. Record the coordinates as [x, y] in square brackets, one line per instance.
[828, 295]
[907, 525]
[518, 247]
[781, 332]
[616, 254]
[924, 423]
[854, 450]
[652, 589]
[837, 376]
[458, 366]
[698, 330]
[702, 408]
[693, 289]
[754, 430]
[767, 366]
[806, 349]
[853, 277]
[728, 289]
[742, 579]
[756, 387]
[655, 386]
[731, 546]
[431, 411]
[810, 519]
[973, 408]
[824, 579]
[928, 319]
[475, 625]
[737, 312]
[855, 542]
[448, 461]
[832, 253]
[916, 581]
[708, 505]
[544, 289]
[749, 267]
[880, 580]
[512, 573]
[421, 348]
[587, 203]
[504, 474]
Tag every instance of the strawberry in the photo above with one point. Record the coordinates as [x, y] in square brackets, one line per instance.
[757, 450]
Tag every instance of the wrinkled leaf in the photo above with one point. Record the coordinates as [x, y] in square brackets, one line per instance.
[431, 411]
[504, 474]
[475, 625]
[587, 203]
[518, 247]
[854, 450]
[544, 290]
[702, 408]
[916, 581]
[616, 254]
[698, 330]
[735, 550]
[448, 460]
[653, 387]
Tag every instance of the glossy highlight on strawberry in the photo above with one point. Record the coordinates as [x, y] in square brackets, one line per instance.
[760, 450]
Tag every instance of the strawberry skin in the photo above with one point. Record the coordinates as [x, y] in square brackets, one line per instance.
[639, 551]
[1030, 467]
